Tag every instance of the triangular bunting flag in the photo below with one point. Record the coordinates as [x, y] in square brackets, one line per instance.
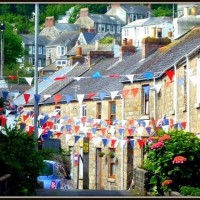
[80, 98]
[102, 95]
[103, 130]
[26, 97]
[170, 74]
[130, 77]
[132, 142]
[113, 94]
[76, 138]
[30, 130]
[46, 96]
[68, 98]
[76, 128]
[148, 75]
[57, 98]
[29, 80]
[141, 143]
[5, 95]
[135, 91]
[105, 141]
[37, 98]
[125, 92]
[96, 75]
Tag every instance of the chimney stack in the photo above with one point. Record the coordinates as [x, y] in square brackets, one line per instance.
[78, 57]
[150, 45]
[49, 22]
[127, 48]
[84, 12]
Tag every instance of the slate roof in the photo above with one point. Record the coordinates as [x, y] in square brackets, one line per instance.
[148, 21]
[135, 9]
[106, 19]
[67, 27]
[90, 47]
[100, 36]
[65, 38]
[164, 58]
[160, 61]
[89, 36]
[30, 39]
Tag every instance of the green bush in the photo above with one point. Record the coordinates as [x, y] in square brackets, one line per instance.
[20, 158]
[189, 191]
[172, 160]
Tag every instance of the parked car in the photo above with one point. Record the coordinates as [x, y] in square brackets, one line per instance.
[52, 176]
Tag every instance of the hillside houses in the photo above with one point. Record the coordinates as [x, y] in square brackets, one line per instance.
[114, 103]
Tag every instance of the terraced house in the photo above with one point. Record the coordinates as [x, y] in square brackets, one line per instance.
[113, 104]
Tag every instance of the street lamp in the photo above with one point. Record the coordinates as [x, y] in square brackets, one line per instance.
[2, 48]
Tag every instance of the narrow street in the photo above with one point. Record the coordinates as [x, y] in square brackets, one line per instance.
[76, 192]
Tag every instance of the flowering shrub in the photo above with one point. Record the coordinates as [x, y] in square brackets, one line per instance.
[179, 159]
[172, 160]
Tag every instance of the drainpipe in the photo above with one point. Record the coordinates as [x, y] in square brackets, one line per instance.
[188, 95]
[122, 158]
[175, 94]
[154, 99]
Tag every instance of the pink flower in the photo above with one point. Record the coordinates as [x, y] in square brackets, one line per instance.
[166, 182]
[157, 145]
[179, 159]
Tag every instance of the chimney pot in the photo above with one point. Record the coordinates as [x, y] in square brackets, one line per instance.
[49, 21]
[79, 51]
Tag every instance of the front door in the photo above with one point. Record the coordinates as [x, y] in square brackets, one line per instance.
[98, 170]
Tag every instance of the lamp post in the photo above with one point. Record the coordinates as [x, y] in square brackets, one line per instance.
[36, 107]
[2, 48]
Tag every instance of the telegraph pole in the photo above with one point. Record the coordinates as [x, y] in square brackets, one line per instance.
[36, 107]
[2, 48]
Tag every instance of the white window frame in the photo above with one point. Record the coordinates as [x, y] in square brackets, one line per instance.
[33, 49]
[49, 52]
[198, 81]
[44, 50]
[81, 163]
[60, 50]
[112, 29]
[40, 50]
[108, 27]
[145, 102]
[83, 110]
[118, 29]
[39, 62]
[30, 49]
[101, 28]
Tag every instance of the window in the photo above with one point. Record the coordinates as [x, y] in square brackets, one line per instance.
[63, 62]
[33, 49]
[101, 28]
[60, 50]
[49, 52]
[146, 30]
[112, 29]
[40, 62]
[32, 61]
[108, 28]
[40, 50]
[30, 50]
[44, 51]
[133, 17]
[112, 111]
[99, 107]
[145, 100]
[118, 29]
[83, 110]
[112, 164]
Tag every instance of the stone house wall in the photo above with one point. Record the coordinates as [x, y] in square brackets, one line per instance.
[132, 110]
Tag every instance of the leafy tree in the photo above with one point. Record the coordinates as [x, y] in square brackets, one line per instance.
[162, 12]
[107, 40]
[20, 158]
[13, 48]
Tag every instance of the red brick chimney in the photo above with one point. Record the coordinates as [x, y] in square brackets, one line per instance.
[150, 45]
[84, 12]
[49, 22]
[78, 57]
[127, 48]
[115, 5]
[91, 30]
[93, 55]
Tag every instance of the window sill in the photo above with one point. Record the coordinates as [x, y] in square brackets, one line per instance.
[172, 112]
[197, 105]
[145, 117]
[111, 179]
